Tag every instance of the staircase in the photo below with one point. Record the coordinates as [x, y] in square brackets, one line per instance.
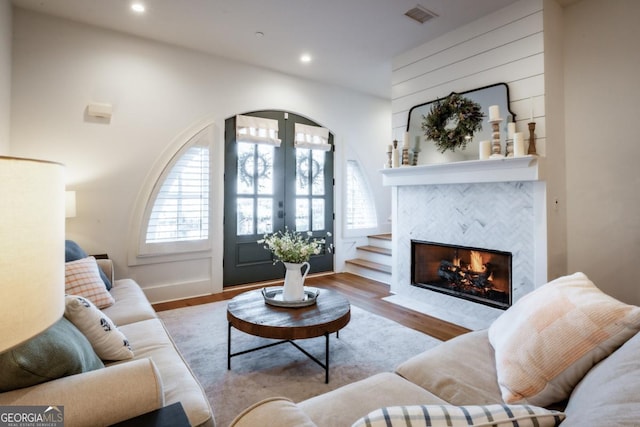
[373, 260]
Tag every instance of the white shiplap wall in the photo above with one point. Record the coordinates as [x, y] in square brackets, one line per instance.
[506, 46]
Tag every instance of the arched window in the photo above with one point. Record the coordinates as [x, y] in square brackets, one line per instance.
[177, 214]
[360, 209]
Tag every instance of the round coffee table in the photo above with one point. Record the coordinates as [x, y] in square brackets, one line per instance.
[249, 313]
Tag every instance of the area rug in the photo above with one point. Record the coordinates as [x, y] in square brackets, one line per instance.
[369, 344]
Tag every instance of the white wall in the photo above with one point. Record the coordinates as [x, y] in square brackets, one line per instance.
[602, 65]
[158, 92]
[5, 76]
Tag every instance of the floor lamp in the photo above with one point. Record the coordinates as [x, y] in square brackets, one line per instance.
[32, 210]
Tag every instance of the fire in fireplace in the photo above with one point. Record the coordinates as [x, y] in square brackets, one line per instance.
[475, 274]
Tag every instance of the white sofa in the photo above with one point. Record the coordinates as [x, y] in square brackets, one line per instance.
[157, 375]
[600, 390]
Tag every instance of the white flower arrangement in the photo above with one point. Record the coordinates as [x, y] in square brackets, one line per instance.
[293, 247]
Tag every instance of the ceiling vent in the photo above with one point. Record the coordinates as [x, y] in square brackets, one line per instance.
[420, 14]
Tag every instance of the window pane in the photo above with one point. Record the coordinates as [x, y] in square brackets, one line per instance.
[302, 214]
[246, 167]
[265, 216]
[317, 170]
[180, 210]
[264, 169]
[302, 171]
[245, 216]
[318, 214]
[360, 210]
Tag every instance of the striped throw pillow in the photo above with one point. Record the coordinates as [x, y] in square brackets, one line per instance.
[461, 416]
[82, 277]
[549, 339]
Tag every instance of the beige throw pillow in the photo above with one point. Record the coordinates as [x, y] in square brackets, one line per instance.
[548, 340]
[82, 277]
[107, 340]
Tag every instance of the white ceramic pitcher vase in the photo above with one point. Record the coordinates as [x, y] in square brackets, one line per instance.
[294, 281]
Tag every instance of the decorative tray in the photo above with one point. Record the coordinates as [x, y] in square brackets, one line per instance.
[273, 296]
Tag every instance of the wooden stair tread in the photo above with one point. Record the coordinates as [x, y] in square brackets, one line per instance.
[385, 236]
[375, 249]
[370, 265]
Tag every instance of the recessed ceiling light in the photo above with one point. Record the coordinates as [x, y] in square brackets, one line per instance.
[138, 7]
[305, 58]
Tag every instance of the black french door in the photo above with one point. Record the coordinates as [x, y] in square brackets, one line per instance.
[269, 188]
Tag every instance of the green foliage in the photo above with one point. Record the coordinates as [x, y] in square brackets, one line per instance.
[454, 107]
[291, 246]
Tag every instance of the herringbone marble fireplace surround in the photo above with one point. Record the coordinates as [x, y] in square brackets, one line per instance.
[502, 216]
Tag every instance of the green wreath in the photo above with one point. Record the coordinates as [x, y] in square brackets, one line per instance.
[465, 111]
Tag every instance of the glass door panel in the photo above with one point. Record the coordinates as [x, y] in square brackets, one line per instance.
[317, 177]
[302, 214]
[245, 219]
[254, 183]
[318, 214]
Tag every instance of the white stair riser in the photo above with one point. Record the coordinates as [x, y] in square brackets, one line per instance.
[375, 257]
[381, 243]
[369, 274]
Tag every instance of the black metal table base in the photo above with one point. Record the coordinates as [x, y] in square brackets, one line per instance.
[324, 365]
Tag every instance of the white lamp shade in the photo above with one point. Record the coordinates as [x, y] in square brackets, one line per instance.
[32, 260]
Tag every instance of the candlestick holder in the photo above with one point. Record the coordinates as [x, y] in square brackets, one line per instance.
[496, 148]
[389, 161]
[405, 156]
[532, 139]
[414, 159]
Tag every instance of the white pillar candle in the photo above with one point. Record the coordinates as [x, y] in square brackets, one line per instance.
[518, 144]
[395, 158]
[406, 140]
[485, 150]
[511, 130]
[531, 112]
[389, 148]
[494, 112]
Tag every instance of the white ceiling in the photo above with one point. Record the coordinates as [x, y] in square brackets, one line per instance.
[352, 42]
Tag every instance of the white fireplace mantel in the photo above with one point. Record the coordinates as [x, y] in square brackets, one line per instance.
[496, 203]
[471, 171]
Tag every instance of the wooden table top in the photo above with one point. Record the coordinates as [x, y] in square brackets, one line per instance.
[248, 312]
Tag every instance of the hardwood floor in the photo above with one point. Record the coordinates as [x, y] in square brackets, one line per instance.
[361, 292]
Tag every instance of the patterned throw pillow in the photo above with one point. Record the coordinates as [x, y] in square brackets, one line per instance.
[105, 338]
[549, 339]
[82, 277]
[73, 252]
[461, 416]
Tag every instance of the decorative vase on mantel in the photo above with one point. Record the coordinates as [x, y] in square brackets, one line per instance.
[294, 281]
